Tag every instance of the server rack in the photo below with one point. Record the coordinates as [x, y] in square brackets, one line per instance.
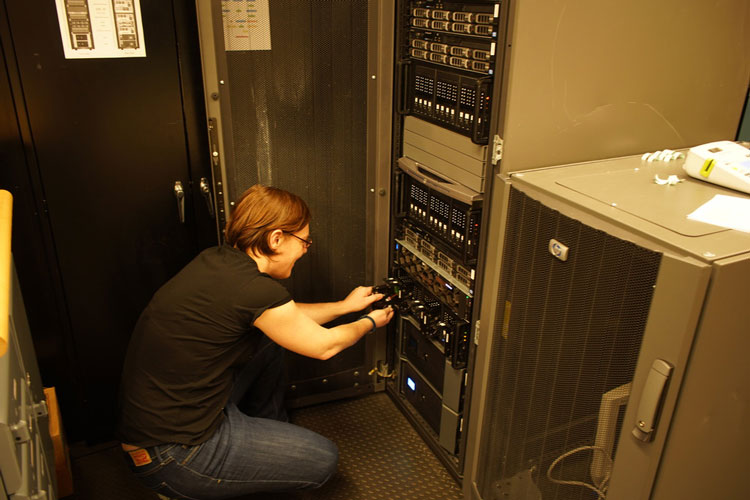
[447, 61]
[554, 109]
[612, 339]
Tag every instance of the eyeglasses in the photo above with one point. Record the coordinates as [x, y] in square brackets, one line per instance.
[305, 242]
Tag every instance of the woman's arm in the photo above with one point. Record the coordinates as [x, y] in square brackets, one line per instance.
[357, 300]
[290, 327]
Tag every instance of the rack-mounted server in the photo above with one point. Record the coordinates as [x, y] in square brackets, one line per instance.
[436, 228]
[447, 63]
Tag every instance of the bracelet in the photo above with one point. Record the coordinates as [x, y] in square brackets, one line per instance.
[374, 326]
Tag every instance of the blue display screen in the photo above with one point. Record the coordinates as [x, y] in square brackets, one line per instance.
[411, 384]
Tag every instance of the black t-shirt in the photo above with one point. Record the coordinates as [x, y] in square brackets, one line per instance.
[187, 346]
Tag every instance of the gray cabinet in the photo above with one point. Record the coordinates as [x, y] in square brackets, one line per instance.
[27, 461]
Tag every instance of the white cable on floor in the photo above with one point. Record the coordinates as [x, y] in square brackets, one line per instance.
[600, 489]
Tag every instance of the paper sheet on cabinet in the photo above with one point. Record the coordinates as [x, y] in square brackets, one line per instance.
[725, 211]
[247, 24]
[97, 29]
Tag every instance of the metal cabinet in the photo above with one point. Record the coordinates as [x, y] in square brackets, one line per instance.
[27, 461]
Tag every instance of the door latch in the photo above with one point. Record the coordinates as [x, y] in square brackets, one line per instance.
[179, 193]
[651, 400]
[206, 192]
[497, 149]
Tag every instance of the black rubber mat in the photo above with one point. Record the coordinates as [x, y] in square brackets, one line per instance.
[381, 457]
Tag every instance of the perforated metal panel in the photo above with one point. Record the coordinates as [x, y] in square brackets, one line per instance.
[566, 344]
[297, 121]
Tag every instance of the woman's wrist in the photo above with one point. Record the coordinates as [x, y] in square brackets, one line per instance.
[374, 325]
[345, 307]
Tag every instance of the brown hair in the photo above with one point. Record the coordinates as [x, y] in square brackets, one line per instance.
[261, 210]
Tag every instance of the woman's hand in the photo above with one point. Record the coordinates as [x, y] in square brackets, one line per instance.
[360, 298]
[381, 316]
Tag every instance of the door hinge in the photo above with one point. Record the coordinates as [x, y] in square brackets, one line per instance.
[476, 333]
[20, 431]
[497, 149]
[40, 409]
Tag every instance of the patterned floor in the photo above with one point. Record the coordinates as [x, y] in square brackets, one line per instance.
[381, 457]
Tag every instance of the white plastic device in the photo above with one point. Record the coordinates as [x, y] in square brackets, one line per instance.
[725, 163]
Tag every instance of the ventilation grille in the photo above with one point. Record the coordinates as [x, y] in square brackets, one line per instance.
[567, 334]
[298, 116]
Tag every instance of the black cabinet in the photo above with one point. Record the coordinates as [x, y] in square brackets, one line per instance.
[92, 150]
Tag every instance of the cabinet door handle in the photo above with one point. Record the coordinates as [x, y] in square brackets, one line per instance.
[179, 194]
[206, 192]
[651, 399]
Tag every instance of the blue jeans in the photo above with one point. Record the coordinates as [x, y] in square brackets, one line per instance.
[247, 454]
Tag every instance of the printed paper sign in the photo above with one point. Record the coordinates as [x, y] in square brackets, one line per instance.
[247, 24]
[94, 29]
